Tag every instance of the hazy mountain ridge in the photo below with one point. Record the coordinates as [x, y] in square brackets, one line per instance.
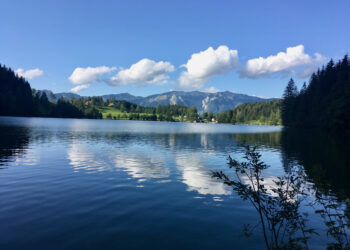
[66, 95]
[204, 102]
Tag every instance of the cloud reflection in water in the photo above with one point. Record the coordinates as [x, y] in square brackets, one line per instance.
[142, 166]
[82, 158]
[196, 175]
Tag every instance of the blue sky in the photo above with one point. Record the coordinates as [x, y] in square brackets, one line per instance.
[187, 45]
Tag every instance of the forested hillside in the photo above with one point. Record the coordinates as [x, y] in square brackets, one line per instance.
[123, 110]
[324, 103]
[15, 94]
[267, 113]
[18, 99]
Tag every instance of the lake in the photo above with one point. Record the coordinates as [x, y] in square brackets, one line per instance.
[105, 184]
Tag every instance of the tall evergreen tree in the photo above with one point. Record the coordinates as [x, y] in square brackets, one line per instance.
[291, 90]
[288, 104]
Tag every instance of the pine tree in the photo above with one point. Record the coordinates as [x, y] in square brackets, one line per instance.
[291, 90]
[288, 104]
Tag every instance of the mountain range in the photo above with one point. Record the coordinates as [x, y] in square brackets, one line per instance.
[203, 101]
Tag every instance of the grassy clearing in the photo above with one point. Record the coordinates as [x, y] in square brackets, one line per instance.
[116, 113]
[109, 110]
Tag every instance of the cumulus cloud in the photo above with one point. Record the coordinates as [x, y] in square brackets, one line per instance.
[312, 67]
[211, 89]
[89, 75]
[29, 74]
[283, 62]
[205, 64]
[143, 72]
[79, 88]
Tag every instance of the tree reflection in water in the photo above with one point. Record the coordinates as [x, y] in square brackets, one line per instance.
[326, 164]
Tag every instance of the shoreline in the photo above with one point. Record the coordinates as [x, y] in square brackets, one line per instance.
[213, 123]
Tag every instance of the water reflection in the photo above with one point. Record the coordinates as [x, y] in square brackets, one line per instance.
[325, 158]
[95, 167]
[197, 176]
[266, 140]
[141, 165]
[135, 161]
[13, 143]
[97, 146]
[83, 158]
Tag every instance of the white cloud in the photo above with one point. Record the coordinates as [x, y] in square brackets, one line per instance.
[313, 66]
[211, 89]
[205, 64]
[281, 63]
[29, 74]
[186, 81]
[143, 72]
[79, 88]
[89, 74]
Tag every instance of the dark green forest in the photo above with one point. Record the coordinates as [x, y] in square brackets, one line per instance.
[267, 113]
[323, 103]
[15, 95]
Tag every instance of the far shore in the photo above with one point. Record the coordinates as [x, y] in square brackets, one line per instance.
[214, 123]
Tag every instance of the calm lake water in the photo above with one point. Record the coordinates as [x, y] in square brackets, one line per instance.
[103, 184]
